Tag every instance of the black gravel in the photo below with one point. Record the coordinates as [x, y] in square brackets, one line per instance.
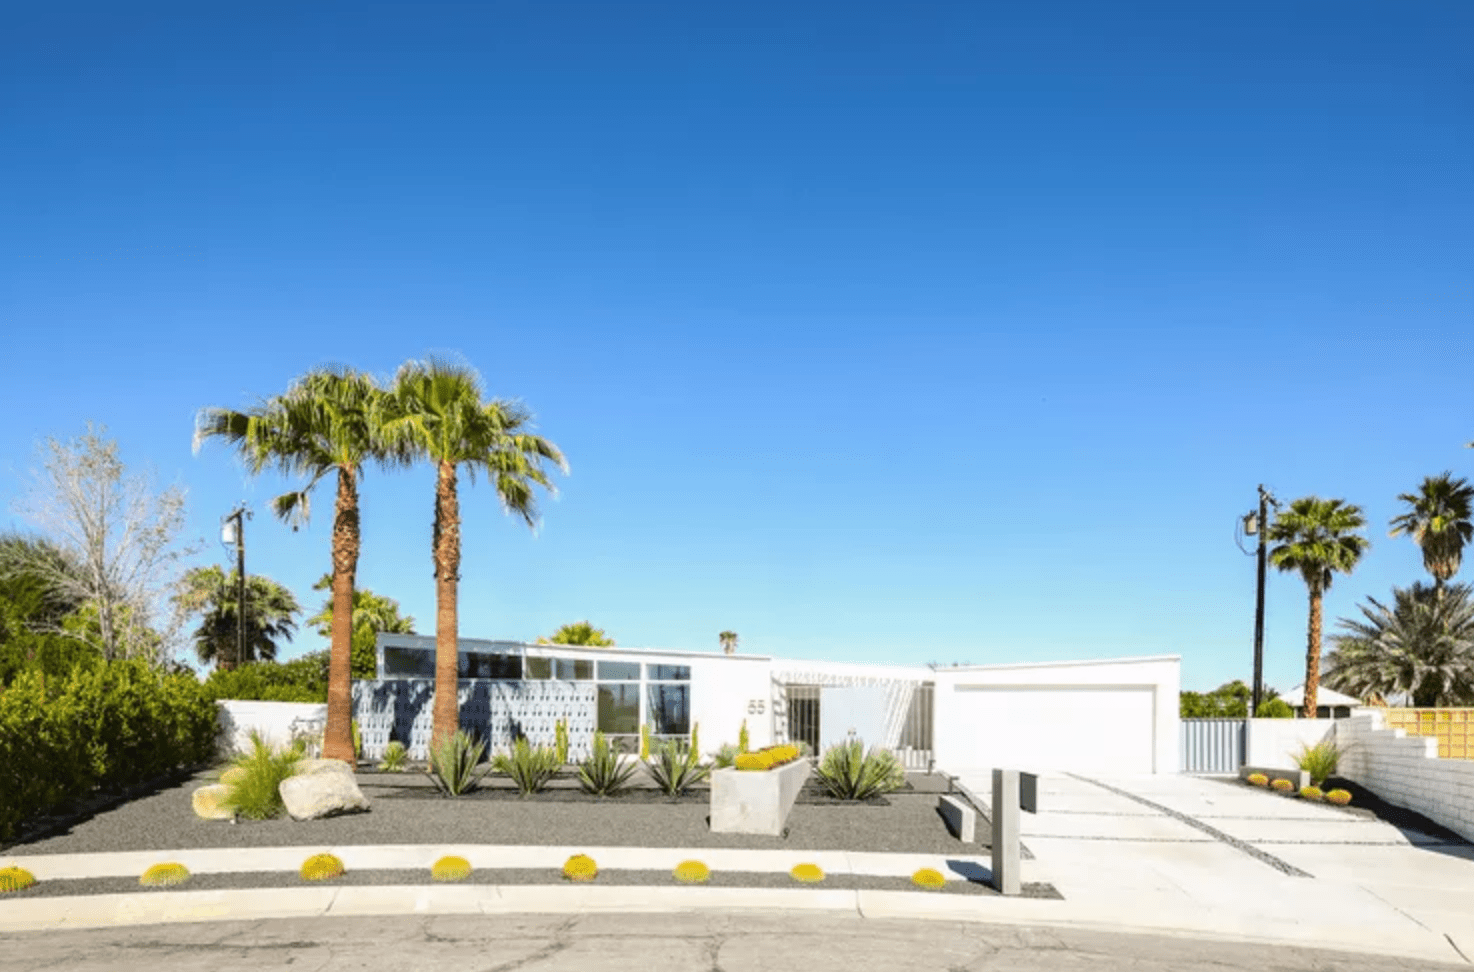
[406, 810]
[511, 876]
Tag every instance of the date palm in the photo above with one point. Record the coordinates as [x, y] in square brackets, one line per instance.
[328, 422]
[440, 414]
[1317, 538]
[1421, 646]
[1438, 519]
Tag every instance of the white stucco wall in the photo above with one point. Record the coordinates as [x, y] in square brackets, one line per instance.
[1112, 716]
[1274, 743]
[725, 690]
[276, 721]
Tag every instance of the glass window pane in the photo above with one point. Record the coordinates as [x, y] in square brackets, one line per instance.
[668, 673]
[614, 671]
[576, 669]
[539, 668]
[476, 664]
[408, 663]
[619, 708]
[669, 707]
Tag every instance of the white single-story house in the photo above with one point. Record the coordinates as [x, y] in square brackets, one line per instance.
[1108, 716]
[1329, 704]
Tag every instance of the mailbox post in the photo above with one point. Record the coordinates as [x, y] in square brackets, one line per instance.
[1012, 791]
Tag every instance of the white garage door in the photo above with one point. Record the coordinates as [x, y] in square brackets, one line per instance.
[1041, 728]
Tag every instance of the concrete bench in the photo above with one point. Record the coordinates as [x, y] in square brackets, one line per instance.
[961, 819]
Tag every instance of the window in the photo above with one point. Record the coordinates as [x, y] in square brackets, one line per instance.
[566, 669]
[669, 708]
[539, 667]
[500, 665]
[619, 708]
[613, 671]
[408, 663]
[668, 673]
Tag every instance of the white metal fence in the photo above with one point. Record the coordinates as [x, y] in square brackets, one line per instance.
[1212, 745]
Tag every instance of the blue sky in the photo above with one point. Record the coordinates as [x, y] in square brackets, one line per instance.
[958, 332]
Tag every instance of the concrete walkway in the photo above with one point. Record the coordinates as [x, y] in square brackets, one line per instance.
[1159, 855]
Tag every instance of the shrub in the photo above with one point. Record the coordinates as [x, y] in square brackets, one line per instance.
[321, 867]
[1283, 786]
[394, 756]
[1312, 793]
[453, 764]
[303, 679]
[807, 873]
[929, 879]
[602, 773]
[164, 875]
[848, 772]
[765, 759]
[450, 869]
[1320, 760]
[742, 738]
[675, 768]
[256, 794]
[692, 872]
[580, 867]
[726, 756]
[560, 741]
[15, 879]
[1275, 709]
[1258, 779]
[530, 767]
[1339, 797]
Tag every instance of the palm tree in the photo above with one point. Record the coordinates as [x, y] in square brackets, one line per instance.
[372, 613]
[440, 414]
[329, 421]
[1422, 646]
[728, 640]
[1439, 521]
[580, 633]
[271, 615]
[1317, 538]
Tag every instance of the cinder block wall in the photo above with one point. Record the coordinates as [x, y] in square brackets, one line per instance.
[1406, 770]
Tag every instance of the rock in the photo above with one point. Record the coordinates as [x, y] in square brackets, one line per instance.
[321, 794]
[233, 775]
[208, 803]
[312, 767]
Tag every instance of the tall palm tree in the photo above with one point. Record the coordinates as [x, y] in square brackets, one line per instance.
[329, 421]
[1317, 538]
[440, 414]
[372, 613]
[271, 615]
[1421, 646]
[728, 641]
[1438, 519]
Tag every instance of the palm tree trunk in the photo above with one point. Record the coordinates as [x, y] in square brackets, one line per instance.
[1312, 655]
[447, 575]
[338, 734]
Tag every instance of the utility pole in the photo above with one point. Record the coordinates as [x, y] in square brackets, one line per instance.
[1259, 524]
[234, 532]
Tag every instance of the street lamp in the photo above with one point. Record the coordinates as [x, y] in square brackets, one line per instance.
[233, 534]
[1256, 523]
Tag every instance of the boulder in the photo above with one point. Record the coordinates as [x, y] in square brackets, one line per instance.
[208, 803]
[233, 775]
[322, 794]
[311, 767]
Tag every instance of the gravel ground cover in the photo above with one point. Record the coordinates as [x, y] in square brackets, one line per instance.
[406, 811]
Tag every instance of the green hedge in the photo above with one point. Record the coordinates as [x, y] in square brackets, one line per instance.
[303, 679]
[118, 722]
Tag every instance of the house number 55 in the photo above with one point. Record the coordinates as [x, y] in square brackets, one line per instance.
[756, 707]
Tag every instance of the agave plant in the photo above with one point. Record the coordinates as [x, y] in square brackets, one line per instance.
[676, 768]
[530, 767]
[848, 772]
[602, 773]
[455, 764]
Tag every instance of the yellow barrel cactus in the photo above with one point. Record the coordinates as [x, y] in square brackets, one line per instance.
[1283, 786]
[1339, 797]
[451, 869]
[930, 879]
[1312, 793]
[15, 879]
[807, 873]
[322, 867]
[164, 875]
[1258, 779]
[692, 872]
[580, 867]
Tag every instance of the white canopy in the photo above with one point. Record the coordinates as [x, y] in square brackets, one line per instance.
[1295, 697]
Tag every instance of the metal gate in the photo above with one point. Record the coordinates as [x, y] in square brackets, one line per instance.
[913, 747]
[1212, 745]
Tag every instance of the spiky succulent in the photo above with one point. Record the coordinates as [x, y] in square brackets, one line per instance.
[1258, 779]
[692, 872]
[1339, 797]
[1312, 793]
[394, 756]
[165, 875]
[928, 878]
[580, 867]
[322, 867]
[1283, 786]
[451, 869]
[15, 879]
[807, 873]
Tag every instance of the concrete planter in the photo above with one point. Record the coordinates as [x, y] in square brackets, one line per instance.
[755, 802]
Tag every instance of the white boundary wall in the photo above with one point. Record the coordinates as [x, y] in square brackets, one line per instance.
[1109, 716]
[276, 721]
[1406, 770]
[1274, 743]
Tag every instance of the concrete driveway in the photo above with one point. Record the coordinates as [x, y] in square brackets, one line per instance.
[1212, 857]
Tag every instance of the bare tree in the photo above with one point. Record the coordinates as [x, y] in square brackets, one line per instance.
[119, 541]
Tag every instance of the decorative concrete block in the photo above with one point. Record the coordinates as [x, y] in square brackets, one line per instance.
[755, 802]
[322, 794]
[961, 819]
